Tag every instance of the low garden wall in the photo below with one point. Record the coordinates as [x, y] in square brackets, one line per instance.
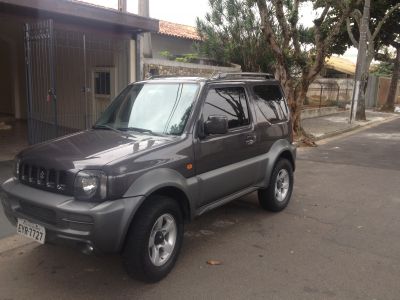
[309, 113]
[166, 67]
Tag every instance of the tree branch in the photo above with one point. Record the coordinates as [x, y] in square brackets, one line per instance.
[293, 27]
[280, 15]
[351, 36]
[318, 22]
[381, 22]
[336, 29]
[369, 35]
[319, 45]
[269, 32]
[357, 15]
[322, 45]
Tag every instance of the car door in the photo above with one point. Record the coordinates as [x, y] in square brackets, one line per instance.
[223, 161]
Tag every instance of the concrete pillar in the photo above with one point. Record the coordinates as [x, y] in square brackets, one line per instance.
[122, 5]
[132, 61]
[146, 47]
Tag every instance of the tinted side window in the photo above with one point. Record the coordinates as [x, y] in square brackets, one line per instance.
[271, 102]
[230, 102]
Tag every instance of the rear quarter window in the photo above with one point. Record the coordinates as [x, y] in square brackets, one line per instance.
[270, 100]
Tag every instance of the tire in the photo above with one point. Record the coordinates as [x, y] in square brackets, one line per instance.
[277, 196]
[148, 236]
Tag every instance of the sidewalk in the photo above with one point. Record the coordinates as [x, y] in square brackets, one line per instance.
[327, 126]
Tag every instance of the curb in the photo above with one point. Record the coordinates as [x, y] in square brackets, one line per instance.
[13, 242]
[358, 126]
[336, 132]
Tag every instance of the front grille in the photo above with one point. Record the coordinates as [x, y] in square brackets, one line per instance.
[46, 179]
[40, 213]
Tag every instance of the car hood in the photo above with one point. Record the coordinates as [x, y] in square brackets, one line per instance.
[90, 149]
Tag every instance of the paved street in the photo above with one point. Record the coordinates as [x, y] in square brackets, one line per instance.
[338, 239]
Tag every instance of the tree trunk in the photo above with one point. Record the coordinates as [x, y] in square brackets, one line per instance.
[358, 101]
[296, 94]
[389, 105]
[301, 97]
[292, 100]
[360, 113]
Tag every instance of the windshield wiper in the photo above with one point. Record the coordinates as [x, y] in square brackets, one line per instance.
[140, 130]
[105, 126]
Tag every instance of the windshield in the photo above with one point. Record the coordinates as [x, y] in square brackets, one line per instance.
[158, 108]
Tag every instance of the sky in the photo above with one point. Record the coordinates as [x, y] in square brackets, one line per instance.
[186, 11]
[177, 11]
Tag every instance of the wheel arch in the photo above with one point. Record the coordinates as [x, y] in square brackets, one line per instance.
[178, 195]
[165, 182]
[286, 154]
[168, 191]
[280, 149]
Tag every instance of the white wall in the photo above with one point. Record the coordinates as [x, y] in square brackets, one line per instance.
[175, 46]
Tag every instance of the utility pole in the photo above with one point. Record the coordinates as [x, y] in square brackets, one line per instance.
[361, 60]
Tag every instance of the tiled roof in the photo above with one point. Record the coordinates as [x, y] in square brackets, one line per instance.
[179, 30]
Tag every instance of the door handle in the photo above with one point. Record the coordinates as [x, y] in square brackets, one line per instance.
[250, 140]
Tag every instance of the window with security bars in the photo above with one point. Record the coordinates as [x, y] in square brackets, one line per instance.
[102, 83]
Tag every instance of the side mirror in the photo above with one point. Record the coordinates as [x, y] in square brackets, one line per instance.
[216, 124]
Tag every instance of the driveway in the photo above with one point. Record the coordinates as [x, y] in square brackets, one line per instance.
[338, 239]
[6, 170]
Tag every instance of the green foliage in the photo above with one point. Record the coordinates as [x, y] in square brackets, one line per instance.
[266, 35]
[384, 69]
[187, 58]
[390, 31]
[166, 54]
[231, 33]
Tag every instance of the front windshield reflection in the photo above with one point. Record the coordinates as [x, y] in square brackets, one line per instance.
[154, 108]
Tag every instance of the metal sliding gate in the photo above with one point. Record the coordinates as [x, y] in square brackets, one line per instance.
[40, 79]
[71, 77]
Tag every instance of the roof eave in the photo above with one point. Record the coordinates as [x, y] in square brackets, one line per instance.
[83, 12]
[180, 37]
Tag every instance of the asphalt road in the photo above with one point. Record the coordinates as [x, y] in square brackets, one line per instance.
[338, 239]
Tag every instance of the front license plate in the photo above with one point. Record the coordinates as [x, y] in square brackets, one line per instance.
[33, 231]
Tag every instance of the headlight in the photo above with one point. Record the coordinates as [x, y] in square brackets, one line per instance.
[17, 163]
[90, 185]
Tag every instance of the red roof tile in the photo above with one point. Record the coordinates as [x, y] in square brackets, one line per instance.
[178, 30]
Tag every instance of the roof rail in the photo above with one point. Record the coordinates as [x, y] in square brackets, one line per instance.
[161, 76]
[242, 75]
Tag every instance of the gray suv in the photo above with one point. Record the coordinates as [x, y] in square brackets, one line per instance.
[165, 151]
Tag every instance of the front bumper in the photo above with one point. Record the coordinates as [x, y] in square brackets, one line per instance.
[102, 226]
